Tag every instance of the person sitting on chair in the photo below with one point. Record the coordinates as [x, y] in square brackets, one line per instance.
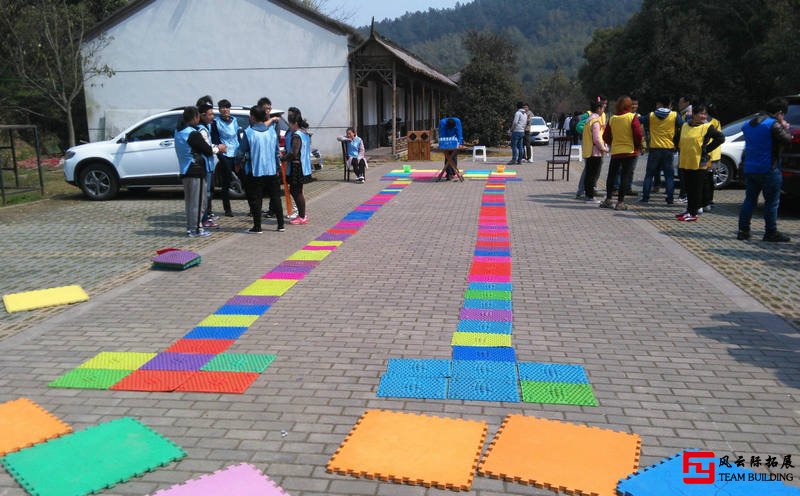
[450, 138]
[356, 155]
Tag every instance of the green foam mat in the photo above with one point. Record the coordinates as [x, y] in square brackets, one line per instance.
[478, 294]
[82, 378]
[238, 362]
[227, 320]
[480, 339]
[112, 360]
[558, 393]
[90, 460]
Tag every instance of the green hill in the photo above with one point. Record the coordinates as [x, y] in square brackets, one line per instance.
[548, 33]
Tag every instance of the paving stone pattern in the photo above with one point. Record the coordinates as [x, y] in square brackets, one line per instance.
[674, 352]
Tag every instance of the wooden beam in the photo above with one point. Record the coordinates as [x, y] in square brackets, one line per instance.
[394, 108]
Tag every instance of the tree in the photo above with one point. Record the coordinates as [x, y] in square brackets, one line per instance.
[322, 6]
[45, 48]
[556, 94]
[488, 87]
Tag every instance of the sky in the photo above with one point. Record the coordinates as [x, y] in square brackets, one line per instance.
[363, 10]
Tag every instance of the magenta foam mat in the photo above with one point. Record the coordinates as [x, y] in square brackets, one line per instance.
[236, 480]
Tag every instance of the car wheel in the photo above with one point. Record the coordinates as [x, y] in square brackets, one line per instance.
[722, 173]
[99, 182]
[236, 191]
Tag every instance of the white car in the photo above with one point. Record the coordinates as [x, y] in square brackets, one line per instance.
[729, 169]
[540, 131]
[143, 156]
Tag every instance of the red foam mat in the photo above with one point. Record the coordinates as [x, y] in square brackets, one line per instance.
[218, 382]
[205, 346]
[153, 380]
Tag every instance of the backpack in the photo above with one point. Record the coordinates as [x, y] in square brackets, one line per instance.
[573, 125]
[582, 123]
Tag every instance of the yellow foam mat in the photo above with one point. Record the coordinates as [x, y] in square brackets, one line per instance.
[315, 255]
[41, 298]
[325, 243]
[269, 287]
[111, 360]
[228, 321]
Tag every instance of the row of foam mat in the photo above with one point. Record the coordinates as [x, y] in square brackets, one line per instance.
[199, 361]
[484, 366]
[432, 174]
[47, 458]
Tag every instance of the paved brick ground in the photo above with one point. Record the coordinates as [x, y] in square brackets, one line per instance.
[674, 350]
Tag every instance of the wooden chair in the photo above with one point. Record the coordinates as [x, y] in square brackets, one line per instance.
[561, 157]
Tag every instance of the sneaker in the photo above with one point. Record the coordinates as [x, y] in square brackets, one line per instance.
[699, 211]
[281, 229]
[293, 216]
[776, 237]
[213, 216]
[199, 233]
[228, 213]
[361, 179]
[579, 196]
[743, 235]
[678, 216]
[296, 221]
[687, 217]
[620, 206]
[591, 200]
[253, 230]
[268, 214]
[510, 162]
[606, 204]
[682, 199]
[210, 223]
[632, 193]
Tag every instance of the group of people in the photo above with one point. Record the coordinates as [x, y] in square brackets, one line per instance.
[207, 145]
[695, 134]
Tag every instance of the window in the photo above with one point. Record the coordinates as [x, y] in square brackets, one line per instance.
[538, 121]
[158, 128]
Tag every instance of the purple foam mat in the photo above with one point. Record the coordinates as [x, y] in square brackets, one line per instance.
[303, 269]
[299, 263]
[252, 300]
[177, 361]
[490, 315]
[333, 236]
[236, 480]
[179, 257]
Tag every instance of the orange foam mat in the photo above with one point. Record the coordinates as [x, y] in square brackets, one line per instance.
[414, 449]
[23, 423]
[544, 453]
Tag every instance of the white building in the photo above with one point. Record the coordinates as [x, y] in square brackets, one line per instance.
[168, 53]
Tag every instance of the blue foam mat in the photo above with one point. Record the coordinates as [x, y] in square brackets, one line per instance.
[491, 286]
[552, 372]
[215, 333]
[488, 326]
[485, 369]
[417, 367]
[492, 353]
[488, 304]
[666, 479]
[492, 253]
[403, 386]
[241, 309]
[483, 389]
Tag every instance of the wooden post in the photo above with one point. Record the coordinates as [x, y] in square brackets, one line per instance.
[394, 107]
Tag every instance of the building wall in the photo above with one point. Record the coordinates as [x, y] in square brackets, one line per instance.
[171, 52]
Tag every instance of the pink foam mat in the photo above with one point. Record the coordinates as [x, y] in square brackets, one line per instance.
[236, 480]
[479, 258]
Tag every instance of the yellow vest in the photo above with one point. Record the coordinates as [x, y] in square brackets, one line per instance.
[716, 153]
[691, 145]
[588, 142]
[662, 131]
[622, 134]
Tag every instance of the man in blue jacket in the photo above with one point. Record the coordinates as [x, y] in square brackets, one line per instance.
[764, 137]
[450, 138]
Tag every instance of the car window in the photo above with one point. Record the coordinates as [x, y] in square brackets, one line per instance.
[538, 121]
[736, 126]
[158, 128]
[243, 120]
[793, 115]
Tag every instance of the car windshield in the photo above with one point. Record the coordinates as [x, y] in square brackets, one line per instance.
[538, 121]
[736, 126]
[793, 114]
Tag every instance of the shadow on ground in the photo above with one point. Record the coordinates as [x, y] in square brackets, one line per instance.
[760, 339]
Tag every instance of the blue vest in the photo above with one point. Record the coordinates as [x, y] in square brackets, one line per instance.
[263, 160]
[205, 130]
[228, 136]
[182, 148]
[354, 147]
[758, 147]
[287, 140]
[305, 152]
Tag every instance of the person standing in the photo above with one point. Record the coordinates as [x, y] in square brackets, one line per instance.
[260, 151]
[624, 134]
[192, 149]
[450, 139]
[663, 126]
[298, 163]
[764, 137]
[592, 148]
[696, 139]
[517, 134]
[208, 129]
[526, 137]
[356, 153]
[581, 126]
[228, 134]
[714, 157]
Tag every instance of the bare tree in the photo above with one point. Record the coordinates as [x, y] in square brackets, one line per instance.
[45, 47]
[323, 7]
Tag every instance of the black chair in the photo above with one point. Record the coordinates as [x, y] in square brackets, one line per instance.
[560, 158]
